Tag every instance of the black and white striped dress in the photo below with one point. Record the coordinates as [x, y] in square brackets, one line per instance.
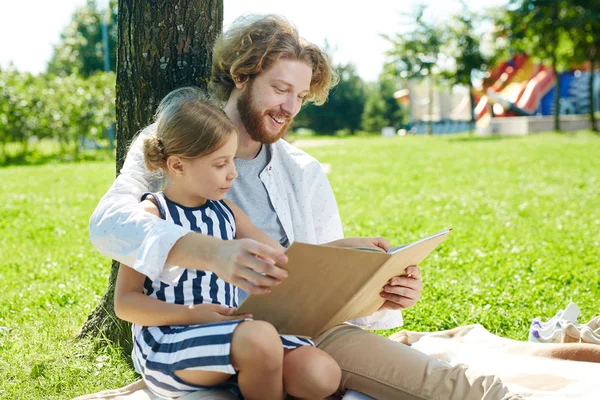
[160, 350]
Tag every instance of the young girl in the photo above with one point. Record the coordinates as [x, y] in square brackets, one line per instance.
[185, 334]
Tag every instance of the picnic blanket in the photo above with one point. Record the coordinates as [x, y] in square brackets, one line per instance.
[531, 376]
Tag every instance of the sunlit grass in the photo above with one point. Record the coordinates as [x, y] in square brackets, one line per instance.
[526, 240]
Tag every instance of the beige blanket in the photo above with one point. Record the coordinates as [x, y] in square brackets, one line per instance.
[531, 376]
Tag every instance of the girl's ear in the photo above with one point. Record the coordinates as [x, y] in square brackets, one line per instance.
[175, 166]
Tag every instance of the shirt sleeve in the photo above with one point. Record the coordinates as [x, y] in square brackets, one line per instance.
[122, 230]
[383, 319]
[325, 213]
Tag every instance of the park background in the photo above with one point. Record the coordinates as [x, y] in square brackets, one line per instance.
[525, 209]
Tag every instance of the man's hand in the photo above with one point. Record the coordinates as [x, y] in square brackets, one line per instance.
[249, 265]
[377, 243]
[403, 291]
[208, 313]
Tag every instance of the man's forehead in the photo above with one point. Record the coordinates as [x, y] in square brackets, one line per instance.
[293, 73]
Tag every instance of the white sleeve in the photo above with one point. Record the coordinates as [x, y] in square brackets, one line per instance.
[122, 230]
[383, 319]
[325, 213]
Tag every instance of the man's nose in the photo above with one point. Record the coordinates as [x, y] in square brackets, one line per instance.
[291, 105]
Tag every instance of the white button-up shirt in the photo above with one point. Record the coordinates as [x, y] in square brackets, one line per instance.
[297, 186]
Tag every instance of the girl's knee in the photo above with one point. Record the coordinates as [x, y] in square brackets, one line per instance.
[256, 343]
[310, 369]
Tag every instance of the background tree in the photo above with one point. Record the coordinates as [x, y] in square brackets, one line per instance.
[373, 117]
[416, 52]
[464, 46]
[381, 108]
[343, 108]
[161, 46]
[80, 50]
[585, 35]
[540, 28]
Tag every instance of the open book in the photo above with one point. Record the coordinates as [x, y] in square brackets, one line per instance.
[329, 285]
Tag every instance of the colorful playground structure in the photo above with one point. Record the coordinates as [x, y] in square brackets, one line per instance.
[516, 87]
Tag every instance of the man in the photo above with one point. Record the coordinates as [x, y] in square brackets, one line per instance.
[264, 72]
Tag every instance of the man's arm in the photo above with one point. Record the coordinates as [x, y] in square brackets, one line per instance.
[122, 230]
[119, 226]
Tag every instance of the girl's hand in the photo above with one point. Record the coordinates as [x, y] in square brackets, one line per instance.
[249, 265]
[207, 313]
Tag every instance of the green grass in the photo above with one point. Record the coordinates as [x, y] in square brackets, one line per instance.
[526, 240]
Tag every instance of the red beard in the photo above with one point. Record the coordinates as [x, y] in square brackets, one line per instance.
[254, 120]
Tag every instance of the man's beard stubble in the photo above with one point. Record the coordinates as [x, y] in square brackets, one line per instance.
[254, 120]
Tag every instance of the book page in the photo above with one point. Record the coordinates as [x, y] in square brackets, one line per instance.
[367, 300]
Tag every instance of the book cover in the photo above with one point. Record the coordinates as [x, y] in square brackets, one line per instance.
[329, 285]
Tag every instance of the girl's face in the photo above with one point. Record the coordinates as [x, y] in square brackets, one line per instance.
[208, 177]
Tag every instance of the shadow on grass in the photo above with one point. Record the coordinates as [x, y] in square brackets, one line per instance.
[35, 159]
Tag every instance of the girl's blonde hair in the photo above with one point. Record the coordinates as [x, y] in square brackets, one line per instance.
[188, 126]
[253, 44]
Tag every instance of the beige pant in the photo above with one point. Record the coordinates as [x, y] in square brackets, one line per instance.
[382, 369]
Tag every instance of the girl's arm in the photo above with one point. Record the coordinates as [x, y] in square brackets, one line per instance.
[132, 305]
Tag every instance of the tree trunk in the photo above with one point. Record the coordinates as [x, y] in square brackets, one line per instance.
[591, 92]
[555, 18]
[161, 45]
[430, 106]
[556, 95]
[471, 107]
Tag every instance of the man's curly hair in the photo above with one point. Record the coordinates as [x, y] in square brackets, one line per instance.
[253, 44]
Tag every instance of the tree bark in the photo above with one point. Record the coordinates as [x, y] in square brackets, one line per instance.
[556, 96]
[161, 45]
[591, 92]
[430, 106]
[555, 13]
[471, 106]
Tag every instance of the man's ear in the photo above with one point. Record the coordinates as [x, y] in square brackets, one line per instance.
[239, 84]
[175, 166]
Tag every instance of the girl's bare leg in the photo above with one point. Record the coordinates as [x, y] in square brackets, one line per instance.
[257, 353]
[310, 373]
[203, 378]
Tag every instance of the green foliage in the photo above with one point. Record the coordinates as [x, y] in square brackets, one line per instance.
[373, 117]
[81, 49]
[584, 31]
[540, 28]
[463, 45]
[524, 211]
[381, 108]
[66, 109]
[343, 108]
[416, 52]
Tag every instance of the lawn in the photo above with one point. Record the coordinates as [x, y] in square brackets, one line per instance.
[526, 240]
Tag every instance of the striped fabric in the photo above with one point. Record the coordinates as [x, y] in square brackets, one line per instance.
[160, 350]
